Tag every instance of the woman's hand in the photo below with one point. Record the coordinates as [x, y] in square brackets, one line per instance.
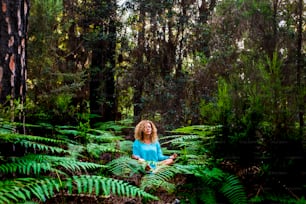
[137, 158]
[173, 156]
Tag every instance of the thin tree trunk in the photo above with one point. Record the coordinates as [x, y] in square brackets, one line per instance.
[300, 64]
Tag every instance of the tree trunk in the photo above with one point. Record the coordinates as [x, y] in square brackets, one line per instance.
[139, 72]
[102, 85]
[13, 33]
[299, 72]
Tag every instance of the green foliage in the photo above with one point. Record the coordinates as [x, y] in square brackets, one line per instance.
[233, 190]
[194, 142]
[114, 126]
[54, 81]
[160, 178]
[105, 186]
[275, 198]
[95, 141]
[218, 111]
[50, 166]
[257, 113]
[199, 162]
[125, 166]
[23, 189]
[194, 160]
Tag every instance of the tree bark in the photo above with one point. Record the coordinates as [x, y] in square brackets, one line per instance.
[13, 65]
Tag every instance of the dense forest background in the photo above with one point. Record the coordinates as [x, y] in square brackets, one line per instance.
[224, 81]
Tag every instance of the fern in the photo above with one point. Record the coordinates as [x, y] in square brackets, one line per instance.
[36, 163]
[25, 167]
[111, 126]
[96, 150]
[23, 189]
[41, 147]
[200, 163]
[102, 136]
[125, 166]
[201, 130]
[105, 186]
[71, 164]
[233, 190]
[160, 178]
[50, 174]
[126, 146]
[11, 137]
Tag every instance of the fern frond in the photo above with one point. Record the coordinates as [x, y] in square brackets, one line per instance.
[104, 186]
[187, 169]
[201, 130]
[160, 177]
[75, 150]
[11, 137]
[35, 164]
[126, 146]
[41, 147]
[73, 132]
[125, 166]
[210, 177]
[102, 136]
[71, 164]
[110, 125]
[181, 139]
[233, 190]
[97, 149]
[6, 127]
[25, 167]
[22, 189]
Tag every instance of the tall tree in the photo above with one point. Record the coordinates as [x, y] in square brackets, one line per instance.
[300, 74]
[102, 75]
[13, 37]
[141, 70]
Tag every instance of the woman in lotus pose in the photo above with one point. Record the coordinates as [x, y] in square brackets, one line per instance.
[146, 147]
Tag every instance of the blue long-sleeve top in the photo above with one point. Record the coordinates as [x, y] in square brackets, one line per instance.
[149, 152]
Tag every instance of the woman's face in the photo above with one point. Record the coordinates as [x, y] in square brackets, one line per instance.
[147, 129]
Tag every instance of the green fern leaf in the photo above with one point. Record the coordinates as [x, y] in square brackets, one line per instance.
[108, 185]
[41, 147]
[233, 190]
[125, 166]
[97, 149]
[160, 178]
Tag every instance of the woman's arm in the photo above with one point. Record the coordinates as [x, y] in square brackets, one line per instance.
[160, 155]
[136, 151]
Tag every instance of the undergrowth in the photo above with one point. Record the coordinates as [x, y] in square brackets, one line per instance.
[36, 168]
[71, 162]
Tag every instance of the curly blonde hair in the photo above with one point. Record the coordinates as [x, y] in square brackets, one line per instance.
[139, 130]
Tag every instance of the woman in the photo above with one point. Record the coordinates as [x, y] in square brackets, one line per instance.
[146, 147]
